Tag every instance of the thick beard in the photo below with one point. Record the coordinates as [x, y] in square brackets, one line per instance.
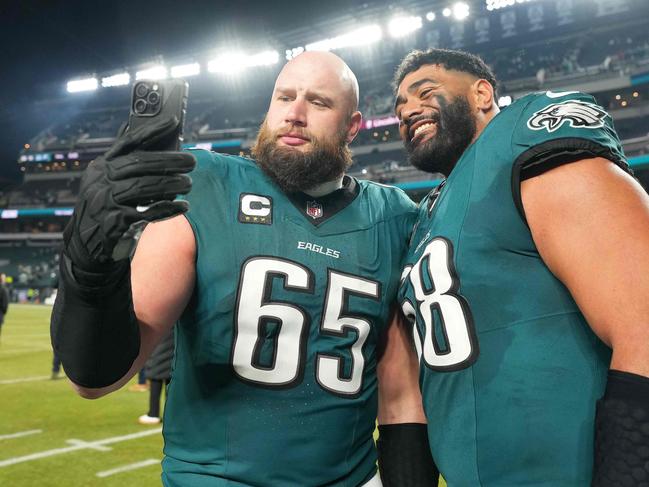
[293, 170]
[456, 127]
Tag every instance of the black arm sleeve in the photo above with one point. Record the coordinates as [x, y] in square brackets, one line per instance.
[404, 456]
[622, 432]
[94, 329]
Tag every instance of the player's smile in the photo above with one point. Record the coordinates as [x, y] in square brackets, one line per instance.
[423, 129]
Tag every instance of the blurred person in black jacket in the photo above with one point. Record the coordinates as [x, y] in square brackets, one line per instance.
[4, 299]
[158, 372]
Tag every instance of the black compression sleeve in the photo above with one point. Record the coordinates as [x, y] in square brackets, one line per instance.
[94, 329]
[622, 432]
[404, 456]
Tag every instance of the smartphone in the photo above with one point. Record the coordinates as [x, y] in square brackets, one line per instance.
[153, 99]
[150, 100]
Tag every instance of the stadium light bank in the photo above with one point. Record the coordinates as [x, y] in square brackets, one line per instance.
[358, 37]
[154, 72]
[498, 4]
[236, 62]
[119, 79]
[403, 26]
[85, 84]
[185, 70]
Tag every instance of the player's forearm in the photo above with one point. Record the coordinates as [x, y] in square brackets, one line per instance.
[94, 329]
[404, 456]
[400, 406]
[97, 392]
[622, 431]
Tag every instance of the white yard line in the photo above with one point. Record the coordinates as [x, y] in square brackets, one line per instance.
[126, 468]
[24, 379]
[20, 434]
[31, 305]
[15, 335]
[20, 351]
[91, 446]
[78, 446]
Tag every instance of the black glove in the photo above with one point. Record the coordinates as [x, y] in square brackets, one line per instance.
[114, 186]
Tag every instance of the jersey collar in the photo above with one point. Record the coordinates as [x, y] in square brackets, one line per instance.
[319, 210]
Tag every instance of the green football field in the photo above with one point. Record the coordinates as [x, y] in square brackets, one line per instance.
[50, 437]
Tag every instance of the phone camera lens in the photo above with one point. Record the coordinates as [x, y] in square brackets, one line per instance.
[140, 106]
[141, 90]
[153, 98]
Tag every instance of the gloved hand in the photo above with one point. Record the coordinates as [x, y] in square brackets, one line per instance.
[122, 191]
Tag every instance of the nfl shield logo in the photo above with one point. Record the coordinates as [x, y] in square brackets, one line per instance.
[313, 209]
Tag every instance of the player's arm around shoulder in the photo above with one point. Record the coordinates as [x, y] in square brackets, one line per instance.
[162, 280]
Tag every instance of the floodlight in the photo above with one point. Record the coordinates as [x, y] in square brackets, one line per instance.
[358, 37]
[447, 12]
[116, 80]
[498, 4]
[504, 101]
[78, 85]
[291, 53]
[234, 62]
[430, 16]
[460, 10]
[185, 70]
[154, 72]
[264, 58]
[402, 26]
[226, 63]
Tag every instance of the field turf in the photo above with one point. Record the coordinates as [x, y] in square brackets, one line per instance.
[44, 424]
[50, 437]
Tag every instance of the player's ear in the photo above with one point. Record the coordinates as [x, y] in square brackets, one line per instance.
[483, 95]
[354, 126]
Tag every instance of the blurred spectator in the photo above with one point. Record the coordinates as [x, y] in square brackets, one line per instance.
[4, 299]
[158, 371]
[141, 385]
[56, 366]
[540, 76]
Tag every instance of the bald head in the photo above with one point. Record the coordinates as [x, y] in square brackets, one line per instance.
[322, 69]
[312, 118]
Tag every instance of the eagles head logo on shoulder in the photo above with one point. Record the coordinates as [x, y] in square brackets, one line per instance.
[578, 114]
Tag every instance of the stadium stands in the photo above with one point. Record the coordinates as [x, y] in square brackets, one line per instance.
[605, 54]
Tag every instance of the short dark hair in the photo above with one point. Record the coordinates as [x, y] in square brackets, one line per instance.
[447, 58]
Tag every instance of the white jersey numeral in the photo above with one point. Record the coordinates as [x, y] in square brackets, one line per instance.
[336, 319]
[440, 300]
[256, 310]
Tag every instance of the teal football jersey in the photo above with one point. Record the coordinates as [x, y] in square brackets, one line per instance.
[274, 380]
[510, 370]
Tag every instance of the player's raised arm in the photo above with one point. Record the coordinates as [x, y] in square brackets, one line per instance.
[590, 222]
[95, 330]
[404, 454]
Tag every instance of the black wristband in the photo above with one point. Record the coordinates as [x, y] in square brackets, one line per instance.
[622, 432]
[404, 456]
[94, 329]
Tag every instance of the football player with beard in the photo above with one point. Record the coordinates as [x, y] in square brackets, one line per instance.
[281, 273]
[527, 280]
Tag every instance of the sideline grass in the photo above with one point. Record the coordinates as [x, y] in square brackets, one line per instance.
[51, 406]
[39, 403]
